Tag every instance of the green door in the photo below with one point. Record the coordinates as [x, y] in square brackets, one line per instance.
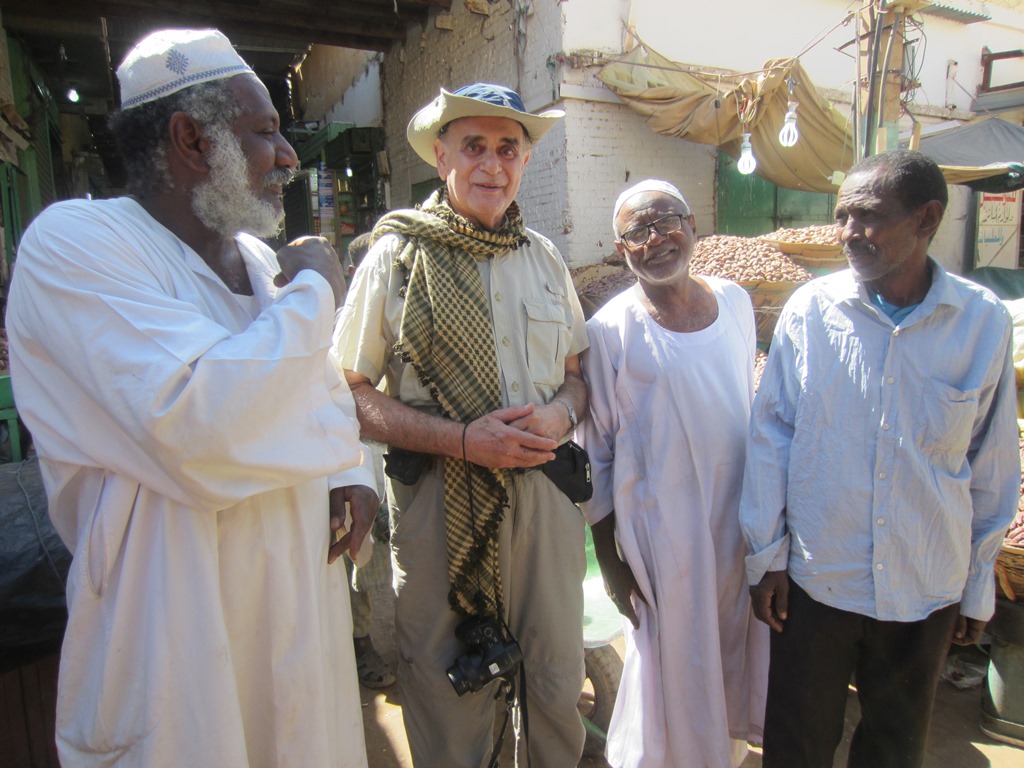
[749, 206]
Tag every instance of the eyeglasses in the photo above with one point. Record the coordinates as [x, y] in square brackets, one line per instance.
[664, 226]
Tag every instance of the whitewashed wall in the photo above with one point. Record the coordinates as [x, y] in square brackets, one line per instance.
[609, 149]
[361, 105]
[479, 48]
[742, 34]
[579, 168]
[951, 244]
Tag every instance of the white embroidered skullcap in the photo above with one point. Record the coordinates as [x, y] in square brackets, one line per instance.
[171, 60]
[649, 185]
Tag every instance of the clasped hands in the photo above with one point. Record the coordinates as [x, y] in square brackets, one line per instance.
[520, 436]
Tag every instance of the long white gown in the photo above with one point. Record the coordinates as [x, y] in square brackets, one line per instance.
[666, 437]
[187, 439]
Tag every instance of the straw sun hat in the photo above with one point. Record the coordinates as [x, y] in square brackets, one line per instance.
[479, 100]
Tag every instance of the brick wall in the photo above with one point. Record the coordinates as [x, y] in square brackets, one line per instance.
[578, 170]
[479, 48]
[610, 149]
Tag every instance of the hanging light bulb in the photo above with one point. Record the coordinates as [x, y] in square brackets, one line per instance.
[348, 167]
[73, 95]
[789, 134]
[747, 163]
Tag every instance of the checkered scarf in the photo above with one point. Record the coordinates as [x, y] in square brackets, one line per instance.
[446, 334]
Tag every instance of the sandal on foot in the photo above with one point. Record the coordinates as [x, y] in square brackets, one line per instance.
[373, 671]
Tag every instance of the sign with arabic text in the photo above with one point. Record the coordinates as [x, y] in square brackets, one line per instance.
[998, 243]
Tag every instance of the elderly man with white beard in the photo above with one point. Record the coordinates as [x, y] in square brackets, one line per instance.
[197, 439]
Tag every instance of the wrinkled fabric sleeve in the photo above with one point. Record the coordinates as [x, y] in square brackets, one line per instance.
[763, 501]
[597, 433]
[994, 458]
[364, 337]
[198, 412]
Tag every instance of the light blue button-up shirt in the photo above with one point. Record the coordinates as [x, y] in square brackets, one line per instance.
[883, 465]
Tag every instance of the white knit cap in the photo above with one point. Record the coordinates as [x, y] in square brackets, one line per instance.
[171, 60]
[648, 185]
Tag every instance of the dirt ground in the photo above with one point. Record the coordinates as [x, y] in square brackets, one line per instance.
[956, 740]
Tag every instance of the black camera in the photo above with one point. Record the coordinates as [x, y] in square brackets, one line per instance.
[489, 655]
[404, 466]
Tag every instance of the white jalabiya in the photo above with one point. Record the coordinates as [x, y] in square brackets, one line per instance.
[186, 438]
[666, 437]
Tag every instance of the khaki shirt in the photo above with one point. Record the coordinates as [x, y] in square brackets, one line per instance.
[536, 316]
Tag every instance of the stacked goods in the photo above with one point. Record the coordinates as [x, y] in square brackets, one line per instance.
[596, 283]
[824, 234]
[1010, 561]
[769, 275]
[760, 358]
[745, 260]
[4, 364]
[815, 246]
[611, 284]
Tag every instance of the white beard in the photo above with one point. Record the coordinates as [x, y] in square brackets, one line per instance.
[225, 202]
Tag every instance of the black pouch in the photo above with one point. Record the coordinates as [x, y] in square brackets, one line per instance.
[404, 466]
[570, 472]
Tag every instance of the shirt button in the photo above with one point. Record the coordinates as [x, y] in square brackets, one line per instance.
[515, 386]
[878, 566]
[885, 427]
[497, 297]
[882, 475]
[505, 341]
[880, 521]
[890, 380]
[896, 332]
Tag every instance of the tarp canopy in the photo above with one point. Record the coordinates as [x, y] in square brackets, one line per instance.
[987, 154]
[709, 108]
[716, 109]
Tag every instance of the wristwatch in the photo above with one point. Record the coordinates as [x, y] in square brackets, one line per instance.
[570, 409]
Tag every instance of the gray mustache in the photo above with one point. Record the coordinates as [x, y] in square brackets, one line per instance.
[864, 248]
[282, 176]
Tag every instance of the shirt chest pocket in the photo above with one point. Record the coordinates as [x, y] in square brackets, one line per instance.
[547, 339]
[946, 430]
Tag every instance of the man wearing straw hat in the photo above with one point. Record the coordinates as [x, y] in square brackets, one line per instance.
[470, 320]
[197, 442]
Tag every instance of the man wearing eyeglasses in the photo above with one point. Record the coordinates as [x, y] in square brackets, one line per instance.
[670, 376]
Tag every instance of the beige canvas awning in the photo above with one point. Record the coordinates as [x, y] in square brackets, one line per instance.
[713, 109]
[710, 108]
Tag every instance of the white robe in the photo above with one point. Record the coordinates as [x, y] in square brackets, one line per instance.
[186, 438]
[666, 438]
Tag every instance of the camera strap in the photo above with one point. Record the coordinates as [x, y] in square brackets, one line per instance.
[511, 697]
[508, 682]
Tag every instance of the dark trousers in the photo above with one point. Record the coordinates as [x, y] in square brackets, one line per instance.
[897, 667]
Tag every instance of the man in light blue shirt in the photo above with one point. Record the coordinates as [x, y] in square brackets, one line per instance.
[882, 471]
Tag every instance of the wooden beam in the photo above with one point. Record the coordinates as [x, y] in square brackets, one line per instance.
[326, 31]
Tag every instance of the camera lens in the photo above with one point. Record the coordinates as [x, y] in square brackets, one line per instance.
[464, 674]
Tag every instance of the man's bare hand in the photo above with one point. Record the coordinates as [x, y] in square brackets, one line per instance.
[620, 584]
[551, 420]
[493, 440]
[313, 253]
[363, 503]
[968, 631]
[770, 599]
